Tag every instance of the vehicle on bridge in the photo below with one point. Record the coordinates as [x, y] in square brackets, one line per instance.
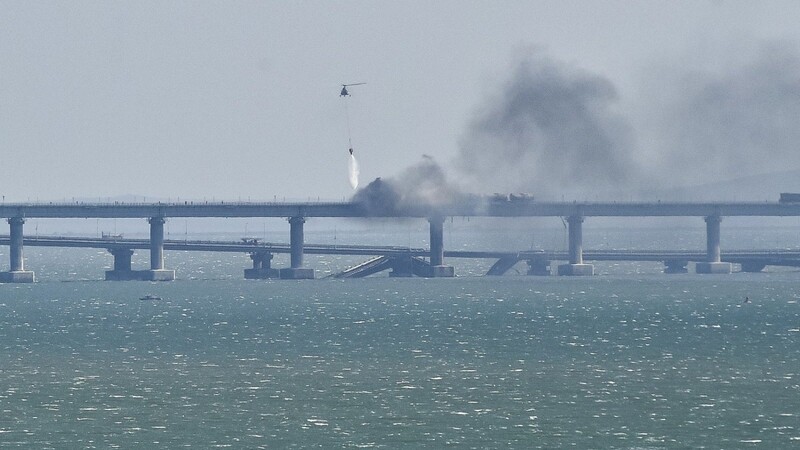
[511, 198]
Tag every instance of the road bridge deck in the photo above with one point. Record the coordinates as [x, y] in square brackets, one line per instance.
[477, 208]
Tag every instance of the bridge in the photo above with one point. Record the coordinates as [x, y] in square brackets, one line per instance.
[405, 261]
[470, 207]
[575, 214]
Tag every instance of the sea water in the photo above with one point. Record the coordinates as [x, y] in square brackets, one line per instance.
[629, 358]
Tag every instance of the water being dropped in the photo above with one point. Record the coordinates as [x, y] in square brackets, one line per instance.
[352, 171]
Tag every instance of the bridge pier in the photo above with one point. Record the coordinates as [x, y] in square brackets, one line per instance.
[539, 266]
[157, 271]
[122, 266]
[262, 267]
[123, 271]
[17, 272]
[122, 258]
[402, 267]
[438, 269]
[576, 265]
[675, 266]
[753, 266]
[713, 263]
[296, 270]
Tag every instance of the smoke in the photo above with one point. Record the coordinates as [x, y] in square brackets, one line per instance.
[420, 189]
[556, 131]
[742, 119]
[551, 129]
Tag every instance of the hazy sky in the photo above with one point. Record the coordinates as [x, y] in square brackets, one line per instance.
[238, 100]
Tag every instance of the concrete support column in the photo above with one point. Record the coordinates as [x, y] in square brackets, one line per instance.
[266, 260]
[712, 239]
[123, 271]
[257, 261]
[15, 237]
[262, 266]
[296, 270]
[576, 265]
[575, 239]
[17, 272]
[437, 240]
[157, 271]
[261, 260]
[122, 259]
[156, 243]
[713, 263]
[296, 241]
[438, 269]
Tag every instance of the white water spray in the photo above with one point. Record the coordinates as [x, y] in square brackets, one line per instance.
[352, 171]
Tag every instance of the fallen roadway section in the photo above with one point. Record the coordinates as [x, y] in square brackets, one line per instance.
[402, 261]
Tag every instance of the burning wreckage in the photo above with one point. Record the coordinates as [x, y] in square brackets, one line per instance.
[387, 198]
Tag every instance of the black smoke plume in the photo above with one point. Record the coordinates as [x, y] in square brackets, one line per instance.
[554, 131]
[551, 130]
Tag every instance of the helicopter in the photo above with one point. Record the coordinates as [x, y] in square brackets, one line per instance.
[344, 92]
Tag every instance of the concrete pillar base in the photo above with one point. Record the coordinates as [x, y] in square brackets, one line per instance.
[160, 275]
[261, 274]
[400, 274]
[402, 267]
[539, 267]
[713, 267]
[676, 267]
[441, 272]
[140, 275]
[124, 275]
[753, 266]
[17, 276]
[296, 273]
[576, 269]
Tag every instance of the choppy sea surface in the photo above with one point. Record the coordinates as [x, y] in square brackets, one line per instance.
[629, 358]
